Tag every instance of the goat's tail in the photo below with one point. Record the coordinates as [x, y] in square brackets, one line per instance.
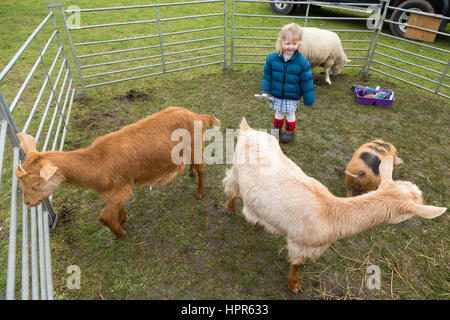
[244, 125]
[211, 121]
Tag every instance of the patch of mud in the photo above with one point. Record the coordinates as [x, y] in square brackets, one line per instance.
[144, 94]
[65, 215]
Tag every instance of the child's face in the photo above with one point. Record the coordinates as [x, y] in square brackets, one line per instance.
[290, 45]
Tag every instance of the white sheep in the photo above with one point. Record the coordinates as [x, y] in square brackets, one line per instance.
[278, 195]
[323, 48]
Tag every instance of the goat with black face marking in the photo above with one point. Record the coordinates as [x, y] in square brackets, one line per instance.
[362, 172]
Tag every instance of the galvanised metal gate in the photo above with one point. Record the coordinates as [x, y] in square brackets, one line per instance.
[43, 111]
[50, 87]
[254, 35]
[207, 36]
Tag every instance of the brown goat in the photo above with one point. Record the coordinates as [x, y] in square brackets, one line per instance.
[140, 153]
[362, 172]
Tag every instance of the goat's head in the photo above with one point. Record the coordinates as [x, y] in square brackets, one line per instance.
[36, 175]
[407, 193]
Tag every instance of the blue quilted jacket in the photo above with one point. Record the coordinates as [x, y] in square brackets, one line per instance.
[288, 80]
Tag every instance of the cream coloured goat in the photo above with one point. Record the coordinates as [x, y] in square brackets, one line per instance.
[278, 195]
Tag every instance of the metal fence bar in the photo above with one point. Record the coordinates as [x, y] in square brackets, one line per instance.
[422, 13]
[374, 42]
[52, 93]
[2, 146]
[225, 19]
[47, 256]
[123, 70]
[160, 39]
[144, 6]
[25, 255]
[42, 273]
[16, 57]
[55, 111]
[444, 74]
[407, 72]
[149, 75]
[412, 53]
[117, 51]
[67, 121]
[115, 24]
[77, 65]
[416, 27]
[409, 63]
[34, 261]
[300, 17]
[30, 74]
[409, 82]
[61, 117]
[12, 247]
[415, 42]
[44, 85]
[113, 40]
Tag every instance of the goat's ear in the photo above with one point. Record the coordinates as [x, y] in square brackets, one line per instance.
[386, 167]
[27, 142]
[424, 211]
[47, 171]
[398, 161]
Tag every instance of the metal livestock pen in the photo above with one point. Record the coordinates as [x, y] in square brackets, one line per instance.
[66, 78]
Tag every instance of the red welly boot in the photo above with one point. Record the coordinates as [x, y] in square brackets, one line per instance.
[289, 133]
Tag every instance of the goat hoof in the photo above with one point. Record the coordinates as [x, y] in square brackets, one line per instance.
[191, 174]
[120, 234]
[295, 287]
[200, 196]
[230, 213]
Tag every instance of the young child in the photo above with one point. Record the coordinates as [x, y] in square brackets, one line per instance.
[287, 77]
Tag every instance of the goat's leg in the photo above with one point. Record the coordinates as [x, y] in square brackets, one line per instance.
[107, 218]
[122, 217]
[293, 281]
[114, 204]
[231, 206]
[191, 170]
[198, 168]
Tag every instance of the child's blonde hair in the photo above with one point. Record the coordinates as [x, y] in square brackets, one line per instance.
[291, 30]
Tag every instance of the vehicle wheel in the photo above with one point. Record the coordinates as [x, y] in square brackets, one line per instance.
[283, 8]
[403, 17]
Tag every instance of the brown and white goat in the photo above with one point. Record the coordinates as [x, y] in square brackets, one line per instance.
[139, 153]
[362, 172]
[278, 195]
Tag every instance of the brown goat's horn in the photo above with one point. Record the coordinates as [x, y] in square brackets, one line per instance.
[21, 168]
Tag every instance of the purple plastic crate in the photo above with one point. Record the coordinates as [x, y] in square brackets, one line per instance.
[374, 101]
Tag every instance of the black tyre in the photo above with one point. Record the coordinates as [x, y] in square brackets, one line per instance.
[283, 8]
[403, 17]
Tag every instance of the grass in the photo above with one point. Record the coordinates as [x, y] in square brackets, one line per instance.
[180, 248]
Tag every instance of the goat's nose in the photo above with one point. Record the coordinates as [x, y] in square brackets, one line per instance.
[27, 203]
